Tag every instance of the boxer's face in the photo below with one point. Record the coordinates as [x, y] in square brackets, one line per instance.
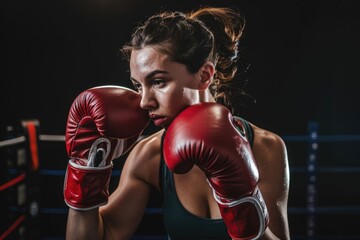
[166, 87]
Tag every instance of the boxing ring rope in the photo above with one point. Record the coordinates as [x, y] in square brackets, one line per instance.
[12, 182]
[311, 169]
[42, 137]
[13, 227]
[25, 181]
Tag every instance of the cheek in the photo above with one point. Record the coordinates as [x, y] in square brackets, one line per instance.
[179, 100]
[182, 97]
[173, 102]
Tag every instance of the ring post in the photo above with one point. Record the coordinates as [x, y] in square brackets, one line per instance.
[31, 132]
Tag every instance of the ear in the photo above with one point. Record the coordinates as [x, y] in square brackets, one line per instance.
[206, 74]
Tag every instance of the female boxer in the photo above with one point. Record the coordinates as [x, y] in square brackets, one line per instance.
[187, 62]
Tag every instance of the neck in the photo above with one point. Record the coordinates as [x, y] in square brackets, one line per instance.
[205, 96]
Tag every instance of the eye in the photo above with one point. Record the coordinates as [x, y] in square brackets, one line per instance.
[158, 82]
[137, 86]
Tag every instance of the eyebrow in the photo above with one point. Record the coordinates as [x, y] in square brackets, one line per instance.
[150, 75]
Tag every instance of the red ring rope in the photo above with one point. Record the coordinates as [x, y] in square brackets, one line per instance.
[12, 182]
[12, 227]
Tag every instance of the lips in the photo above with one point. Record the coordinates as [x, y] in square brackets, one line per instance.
[158, 120]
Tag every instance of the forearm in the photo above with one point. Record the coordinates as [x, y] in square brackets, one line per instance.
[84, 225]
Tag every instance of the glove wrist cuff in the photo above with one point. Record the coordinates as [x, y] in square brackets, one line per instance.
[233, 205]
[86, 188]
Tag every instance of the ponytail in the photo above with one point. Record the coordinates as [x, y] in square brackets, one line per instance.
[227, 26]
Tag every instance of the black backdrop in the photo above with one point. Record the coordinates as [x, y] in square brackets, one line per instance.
[304, 58]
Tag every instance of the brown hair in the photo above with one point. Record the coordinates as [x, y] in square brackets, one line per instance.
[208, 34]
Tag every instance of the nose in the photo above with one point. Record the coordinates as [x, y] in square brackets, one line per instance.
[148, 100]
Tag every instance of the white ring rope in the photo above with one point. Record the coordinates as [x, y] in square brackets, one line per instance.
[12, 141]
[52, 138]
[21, 139]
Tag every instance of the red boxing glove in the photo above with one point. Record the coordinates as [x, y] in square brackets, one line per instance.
[103, 123]
[207, 135]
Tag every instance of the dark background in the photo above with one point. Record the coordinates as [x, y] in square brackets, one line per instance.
[303, 57]
[304, 66]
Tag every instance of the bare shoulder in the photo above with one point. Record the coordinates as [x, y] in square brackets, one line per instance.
[267, 138]
[269, 147]
[271, 157]
[144, 159]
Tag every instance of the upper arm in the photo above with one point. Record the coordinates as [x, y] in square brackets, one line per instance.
[126, 206]
[271, 157]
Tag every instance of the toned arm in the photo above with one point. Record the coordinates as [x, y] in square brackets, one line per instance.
[271, 157]
[84, 224]
[120, 217]
[123, 213]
